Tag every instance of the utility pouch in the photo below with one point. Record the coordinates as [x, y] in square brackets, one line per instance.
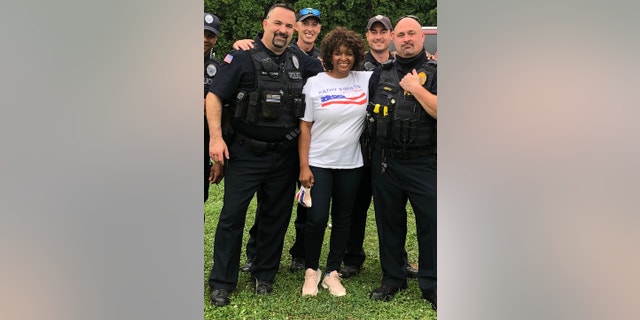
[369, 126]
[383, 126]
[366, 139]
[252, 108]
[241, 105]
[271, 105]
[403, 112]
[404, 132]
[298, 106]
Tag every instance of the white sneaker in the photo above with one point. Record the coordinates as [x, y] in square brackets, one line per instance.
[332, 282]
[311, 280]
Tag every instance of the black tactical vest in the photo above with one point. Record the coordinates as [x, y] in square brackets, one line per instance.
[277, 100]
[400, 121]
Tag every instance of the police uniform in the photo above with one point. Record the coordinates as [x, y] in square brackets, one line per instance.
[314, 53]
[297, 251]
[211, 66]
[264, 93]
[354, 254]
[404, 165]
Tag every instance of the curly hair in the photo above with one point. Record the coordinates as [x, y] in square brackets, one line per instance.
[341, 36]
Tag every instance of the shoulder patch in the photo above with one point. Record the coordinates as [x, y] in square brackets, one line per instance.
[423, 77]
[228, 58]
[212, 70]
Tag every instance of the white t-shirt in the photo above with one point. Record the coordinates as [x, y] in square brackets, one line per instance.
[337, 108]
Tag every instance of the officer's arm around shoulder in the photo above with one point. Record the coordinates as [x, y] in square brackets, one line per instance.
[312, 66]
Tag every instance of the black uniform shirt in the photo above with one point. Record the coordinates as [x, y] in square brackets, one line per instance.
[315, 52]
[211, 66]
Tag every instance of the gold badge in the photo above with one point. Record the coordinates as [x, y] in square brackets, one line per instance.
[423, 78]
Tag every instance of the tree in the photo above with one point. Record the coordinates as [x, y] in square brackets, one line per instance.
[242, 19]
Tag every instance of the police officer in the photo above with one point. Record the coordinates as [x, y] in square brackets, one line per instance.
[264, 89]
[379, 38]
[212, 173]
[404, 111]
[308, 26]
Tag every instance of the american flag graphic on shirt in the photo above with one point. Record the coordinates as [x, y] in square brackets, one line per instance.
[342, 99]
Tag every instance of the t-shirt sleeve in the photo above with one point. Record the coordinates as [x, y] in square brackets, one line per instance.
[308, 100]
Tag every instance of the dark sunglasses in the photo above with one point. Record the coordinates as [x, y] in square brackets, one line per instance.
[313, 11]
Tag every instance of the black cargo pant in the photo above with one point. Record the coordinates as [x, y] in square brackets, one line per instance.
[297, 249]
[355, 255]
[416, 179]
[275, 174]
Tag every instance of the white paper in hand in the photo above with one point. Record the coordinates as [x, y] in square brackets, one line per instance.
[304, 196]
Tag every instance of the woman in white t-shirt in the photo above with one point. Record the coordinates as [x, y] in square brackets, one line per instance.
[330, 156]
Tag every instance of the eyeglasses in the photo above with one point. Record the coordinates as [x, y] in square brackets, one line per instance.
[313, 11]
[411, 17]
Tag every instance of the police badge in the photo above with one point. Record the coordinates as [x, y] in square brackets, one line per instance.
[296, 64]
[212, 70]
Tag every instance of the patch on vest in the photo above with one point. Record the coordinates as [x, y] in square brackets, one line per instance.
[295, 75]
[423, 77]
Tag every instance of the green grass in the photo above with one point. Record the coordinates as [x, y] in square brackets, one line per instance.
[287, 303]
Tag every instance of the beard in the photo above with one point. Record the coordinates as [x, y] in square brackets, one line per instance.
[278, 43]
[407, 51]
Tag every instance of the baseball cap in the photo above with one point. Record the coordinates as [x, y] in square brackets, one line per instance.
[211, 23]
[308, 12]
[381, 19]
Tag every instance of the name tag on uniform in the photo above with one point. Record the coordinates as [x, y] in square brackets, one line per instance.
[295, 75]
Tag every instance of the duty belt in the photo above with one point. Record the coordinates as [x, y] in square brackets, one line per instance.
[260, 147]
[406, 154]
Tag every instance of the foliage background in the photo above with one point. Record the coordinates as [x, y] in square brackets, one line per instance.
[242, 19]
